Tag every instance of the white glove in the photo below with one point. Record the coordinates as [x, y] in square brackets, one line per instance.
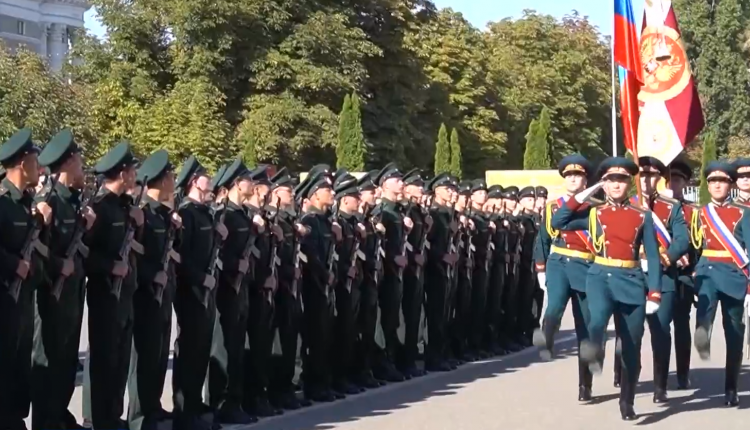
[644, 266]
[667, 193]
[747, 303]
[652, 307]
[542, 277]
[588, 192]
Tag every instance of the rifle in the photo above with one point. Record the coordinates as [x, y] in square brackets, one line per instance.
[171, 232]
[379, 251]
[128, 243]
[76, 243]
[469, 248]
[295, 257]
[353, 259]
[424, 243]
[215, 264]
[28, 243]
[454, 245]
[405, 241]
[333, 257]
[274, 251]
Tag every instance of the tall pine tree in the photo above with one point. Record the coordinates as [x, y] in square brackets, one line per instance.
[709, 155]
[537, 155]
[442, 152]
[350, 149]
[344, 131]
[358, 147]
[456, 161]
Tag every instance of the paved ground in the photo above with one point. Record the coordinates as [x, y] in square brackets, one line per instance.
[521, 393]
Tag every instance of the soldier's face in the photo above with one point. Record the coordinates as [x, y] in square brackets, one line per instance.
[443, 193]
[413, 192]
[528, 203]
[73, 167]
[368, 197]
[649, 180]
[166, 183]
[617, 188]
[245, 188]
[324, 196]
[479, 197]
[350, 203]
[30, 165]
[743, 180]
[575, 182]
[262, 191]
[394, 185]
[283, 195]
[677, 183]
[128, 177]
[540, 202]
[461, 203]
[510, 204]
[718, 187]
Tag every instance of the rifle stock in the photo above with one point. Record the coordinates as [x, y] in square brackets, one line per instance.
[127, 244]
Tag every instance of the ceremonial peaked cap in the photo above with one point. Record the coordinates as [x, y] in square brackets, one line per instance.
[617, 162]
[154, 167]
[216, 179]
[441, 180]
[190, 169]
[478, 185]
[236, 170]
[742, 163]
[317, 182]
[413, 177]
[720, 166]
[58, 149]
[681, 167]
[282, 179]
[510, 193]
[116, 160]
[495, 192]
[527, 192]
[340, 172]
[323, 169]
[18, 145]
[653, 162]
[464, 188]
[365, 183]
[346, 185]
[260, 175]
[389, 171]
[541, 192]
[574, 163]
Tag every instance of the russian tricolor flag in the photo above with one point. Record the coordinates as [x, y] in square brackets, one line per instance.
[627, 56]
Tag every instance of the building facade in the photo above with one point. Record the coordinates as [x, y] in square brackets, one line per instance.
[47, 27]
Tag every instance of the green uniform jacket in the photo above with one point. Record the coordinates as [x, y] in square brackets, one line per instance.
[316, 246]
[195, 244]
[153, 237]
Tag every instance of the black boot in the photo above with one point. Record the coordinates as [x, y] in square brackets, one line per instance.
[617, 380]
[544, 339]
[702, 342]
[592, 355]
[732, 377]
[627, 396]
[660, 386]
[585, 379]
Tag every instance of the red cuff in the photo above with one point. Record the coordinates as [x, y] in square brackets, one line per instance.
[573, 204]
[654, 296]
[540, 268]
[748, 289]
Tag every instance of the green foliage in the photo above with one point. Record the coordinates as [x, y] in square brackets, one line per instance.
[350, 147]
[442, 152]
[537, 156]
[709, 155]
[456, 162]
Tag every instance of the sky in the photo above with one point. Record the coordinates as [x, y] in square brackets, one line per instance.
[480, 12]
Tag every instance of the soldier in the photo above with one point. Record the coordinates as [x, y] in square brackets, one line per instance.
[743, 180]
[18, 156]
[372, 273]
[672, 234]
[541, 200]
[152, 300]
[195, 300]
[473, 307]
[527, 282]
[489, 339]
[615, 283]
[318, 250]
[562, 259]
[721, 273]
[413, 274]
[225, 383]
[347, 284]
[60, 297]
[442, 262]
[679, 177]
[397, 227]
[111, 284]
[511, 338]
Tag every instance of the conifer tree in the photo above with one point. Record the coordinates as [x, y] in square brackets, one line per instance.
[442, 152]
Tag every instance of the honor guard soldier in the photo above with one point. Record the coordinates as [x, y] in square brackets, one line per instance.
[111, 284]
[348, 279]
[152, 300]
[397, 226]
[527, 282]
[413, 273]
[18, 156]
[372, 274]
[672, 234]
[218, 192]
[318, 249]
[226, 376]
[60, 298]
[488, 339]
[743, 180]
[195, 297]
[721, 230]
[562, 260]
[541, 199]
[678, 179]
[475, 311]
[615, 283]
[510, 335]
[288, 299]
[442, 262]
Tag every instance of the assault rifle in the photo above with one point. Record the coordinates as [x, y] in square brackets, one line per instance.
[127, 244]
[274, 248]
[168, 248]
[332, 257]
[424, 244]
[215, 264]
[405, 241]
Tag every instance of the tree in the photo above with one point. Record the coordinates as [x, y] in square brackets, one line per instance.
[344, 131]
[456, 162]
[442, 152]
[536, 156]
[709, 155]
[350, 148]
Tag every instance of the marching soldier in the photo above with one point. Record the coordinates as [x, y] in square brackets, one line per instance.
[510, 334]
[413, 273]
[615, 283]
[461, 282]
[226, 377]
[721, 230]
[475, 310]
[672, 235]
[60, 299]
[679, 177]
[195, 300]
[562, 261]
[527, 283]
[489, 339]
[152, 300]
[18, 156]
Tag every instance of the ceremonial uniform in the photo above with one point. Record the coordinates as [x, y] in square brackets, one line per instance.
[60, 298]
[152, 302]
[564, 257]
[527, 283]
[487, 335]
[110, 309]
[510, 334]
[721, 230]
[615, 283]
[471, 264]
[16, 312]
[473, 313]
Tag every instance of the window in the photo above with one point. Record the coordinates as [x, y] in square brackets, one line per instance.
[21, 27]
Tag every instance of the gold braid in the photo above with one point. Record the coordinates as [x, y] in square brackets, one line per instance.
[696, 233]
[548, 222]
[598, 243]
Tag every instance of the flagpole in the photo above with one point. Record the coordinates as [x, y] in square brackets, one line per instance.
[614, 108]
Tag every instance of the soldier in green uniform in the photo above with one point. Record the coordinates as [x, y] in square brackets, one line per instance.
[672, 233]
[347, 284]
[195, 299]
[460, 295]
[413, 274]
[510, 336]
[318, 250]
[527, 282]
[488, 339]
[615, 283]
[225, 377]
[390, 291]
[60, 297]
[107, 265]
[152, 301]
[474, 309]
[685, 296]
[721, 231]
[18, 156]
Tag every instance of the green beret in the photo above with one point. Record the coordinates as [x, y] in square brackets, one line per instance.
[234, 171]
[216, 179]
[116, 159]
[18, 145]
[57, 150]
[154, 167]
[190, 169]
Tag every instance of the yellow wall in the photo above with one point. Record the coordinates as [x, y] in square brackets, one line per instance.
[522, 178]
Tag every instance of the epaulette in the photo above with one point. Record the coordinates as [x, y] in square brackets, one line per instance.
[3, 190]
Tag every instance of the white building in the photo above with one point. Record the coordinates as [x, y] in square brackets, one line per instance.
[45, 26]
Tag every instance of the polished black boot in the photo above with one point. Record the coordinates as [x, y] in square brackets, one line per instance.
[617, 377]
[702, 341]
[627, 396]
[660, 384]
[544, 339]
[585, 379]
[731, 380]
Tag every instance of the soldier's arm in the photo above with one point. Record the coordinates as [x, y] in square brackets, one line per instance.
[680, 241]
[53, 263]
[541, 250]
[230, 255]
[311, 246]
[8, 261]
[97, 263]
[148, 264]
[393, 239]
[570, 217]
[188, 268]
[437, 237]
[651, 247]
